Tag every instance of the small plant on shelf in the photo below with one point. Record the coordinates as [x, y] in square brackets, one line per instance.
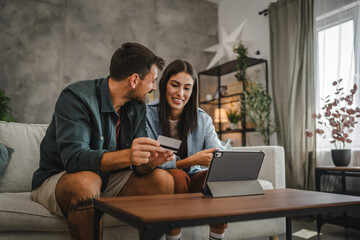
[257, 105]
[234, 117]
[241, 56]
[5, 110]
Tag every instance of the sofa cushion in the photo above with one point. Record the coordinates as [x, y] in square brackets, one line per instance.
[19, 213]
[5, 155]
[265, 184]
[25, 140]
[273, 167]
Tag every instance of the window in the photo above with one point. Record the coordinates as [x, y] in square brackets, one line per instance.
[337, 58]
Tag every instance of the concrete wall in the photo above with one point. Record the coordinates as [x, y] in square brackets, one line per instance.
[234, 12]
[47, 44]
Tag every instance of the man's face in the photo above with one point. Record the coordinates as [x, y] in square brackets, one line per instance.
[146, 85]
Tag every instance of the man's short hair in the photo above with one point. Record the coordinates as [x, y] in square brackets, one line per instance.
[133, 58]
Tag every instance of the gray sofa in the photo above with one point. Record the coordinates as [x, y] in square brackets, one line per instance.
[20, 218]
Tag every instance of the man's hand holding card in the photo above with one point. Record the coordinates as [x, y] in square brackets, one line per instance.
[170, 146]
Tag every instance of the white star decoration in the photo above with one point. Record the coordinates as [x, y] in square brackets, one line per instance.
[225, 45]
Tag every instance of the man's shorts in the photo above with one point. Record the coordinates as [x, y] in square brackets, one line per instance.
[45, 193]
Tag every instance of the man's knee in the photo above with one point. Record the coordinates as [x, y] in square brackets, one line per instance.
[162, 181]
[75, 187]
[80, 182]
[181, 180]
[157, 182]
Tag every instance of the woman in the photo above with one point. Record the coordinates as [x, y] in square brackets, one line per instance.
[176, 114]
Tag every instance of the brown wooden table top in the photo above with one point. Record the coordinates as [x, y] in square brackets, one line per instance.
[175, 207]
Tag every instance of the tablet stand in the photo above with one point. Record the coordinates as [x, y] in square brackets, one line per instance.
[234, 188]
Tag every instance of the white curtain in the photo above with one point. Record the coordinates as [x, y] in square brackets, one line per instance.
[337, 56]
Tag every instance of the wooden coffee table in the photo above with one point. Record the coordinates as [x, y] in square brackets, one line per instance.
[154, 215]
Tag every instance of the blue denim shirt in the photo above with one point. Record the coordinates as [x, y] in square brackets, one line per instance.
[83, 128]
[203, 137]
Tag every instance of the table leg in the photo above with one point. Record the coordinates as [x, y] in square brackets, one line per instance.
[318, 180]
[343, 188]
[288, 228]
[318, 223]
[96, 224]
[318, 174]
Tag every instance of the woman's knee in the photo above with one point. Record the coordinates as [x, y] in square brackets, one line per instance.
[181, 180]
[197, 181]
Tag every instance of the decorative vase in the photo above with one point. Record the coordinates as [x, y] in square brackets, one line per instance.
[234, 126]
[341, 157]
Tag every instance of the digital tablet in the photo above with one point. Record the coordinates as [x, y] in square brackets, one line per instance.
[234, 173]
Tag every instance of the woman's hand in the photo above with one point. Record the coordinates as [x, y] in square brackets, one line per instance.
[159, 158]
[147, 154]
[203, 157]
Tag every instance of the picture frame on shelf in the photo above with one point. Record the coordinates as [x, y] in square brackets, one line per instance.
[221, 92]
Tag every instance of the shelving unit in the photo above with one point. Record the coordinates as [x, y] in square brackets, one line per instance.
[221, 70]
[346, 174]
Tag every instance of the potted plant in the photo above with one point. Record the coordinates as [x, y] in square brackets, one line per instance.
[241, 56]
[257, 105]
[234, 117]
[5, 110]
[339, 118]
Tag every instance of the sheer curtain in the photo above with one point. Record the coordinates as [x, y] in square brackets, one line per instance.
[292, 65]
[337, 56]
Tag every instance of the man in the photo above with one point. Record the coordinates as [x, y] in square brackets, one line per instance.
[96, 143]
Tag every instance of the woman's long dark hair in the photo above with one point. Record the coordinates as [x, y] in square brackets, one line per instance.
[189, 116]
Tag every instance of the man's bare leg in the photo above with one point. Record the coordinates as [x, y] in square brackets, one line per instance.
[157, 182]
[75, 193]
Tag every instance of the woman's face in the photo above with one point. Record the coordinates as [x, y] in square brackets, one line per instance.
[178, 92]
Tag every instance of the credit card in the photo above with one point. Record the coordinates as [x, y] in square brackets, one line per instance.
[170, 144]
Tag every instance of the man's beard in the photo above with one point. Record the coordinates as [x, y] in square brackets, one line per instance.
[134, 97]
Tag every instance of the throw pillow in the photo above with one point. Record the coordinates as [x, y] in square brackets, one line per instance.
[5, 155]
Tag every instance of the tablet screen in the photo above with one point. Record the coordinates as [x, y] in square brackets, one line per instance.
[235, 165]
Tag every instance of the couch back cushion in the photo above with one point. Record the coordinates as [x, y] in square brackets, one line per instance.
[273, 167]
[25, 140]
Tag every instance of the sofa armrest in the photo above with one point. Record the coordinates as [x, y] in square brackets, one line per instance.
[273, 167]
